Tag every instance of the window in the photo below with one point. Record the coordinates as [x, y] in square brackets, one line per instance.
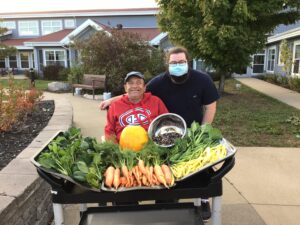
[50, 26]
[13, 61]
[55, 57]
[297, 60]
[2, 62]
[271, 59]
[8, 24]
[24, 57]
[70, 23]
[28, 28]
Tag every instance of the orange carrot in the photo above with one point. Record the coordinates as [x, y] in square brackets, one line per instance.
[160, 175]
[125, 172]
[173, 181]
[151, 174]
[122, 181]
[142, 166]
[134, 183]
[131, 178]
[148, 173]
[155, 181]
[136, 174]
[167, 172]
[109, 176]
[116, 181]
[140, 175]
[144, 180]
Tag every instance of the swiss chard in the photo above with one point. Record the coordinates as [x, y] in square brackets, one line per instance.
[197, 139]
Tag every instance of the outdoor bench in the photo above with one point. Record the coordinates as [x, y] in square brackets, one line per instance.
[91, 82]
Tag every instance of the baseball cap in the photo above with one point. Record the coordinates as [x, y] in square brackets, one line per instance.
[133, 73]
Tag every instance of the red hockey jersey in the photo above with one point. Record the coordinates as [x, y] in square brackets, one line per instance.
[122, 113]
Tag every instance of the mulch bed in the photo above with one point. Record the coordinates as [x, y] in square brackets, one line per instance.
[22, 134]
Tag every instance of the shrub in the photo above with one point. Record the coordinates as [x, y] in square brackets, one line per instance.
[63, 74]
[282, 80]
[28, 75]
[75, 75]
[260, 77]
[115, 55]
[155, 65]
[15, 103]
[272, 78]
[294, 83]
[51, 72]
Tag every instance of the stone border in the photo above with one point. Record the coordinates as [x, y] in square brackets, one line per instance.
[24, 197]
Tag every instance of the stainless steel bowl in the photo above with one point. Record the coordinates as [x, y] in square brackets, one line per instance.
[167, 123]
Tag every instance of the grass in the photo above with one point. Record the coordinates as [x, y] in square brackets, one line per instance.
[39, 84]
[249, 118]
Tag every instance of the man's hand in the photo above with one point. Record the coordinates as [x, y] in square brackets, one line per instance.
[105, 104]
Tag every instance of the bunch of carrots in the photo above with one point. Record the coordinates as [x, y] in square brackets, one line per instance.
[145, 168]
[139, 175]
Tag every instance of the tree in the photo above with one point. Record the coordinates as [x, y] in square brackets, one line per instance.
[115, 55]
[224, 33]
[4, 49]
[286, 57]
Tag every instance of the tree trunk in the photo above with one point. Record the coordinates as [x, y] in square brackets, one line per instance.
[221, 84]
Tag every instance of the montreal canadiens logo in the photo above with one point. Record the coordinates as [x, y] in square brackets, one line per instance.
[130, 117]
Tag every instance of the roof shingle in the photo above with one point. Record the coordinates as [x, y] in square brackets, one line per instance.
[15, 42]
[53, 37]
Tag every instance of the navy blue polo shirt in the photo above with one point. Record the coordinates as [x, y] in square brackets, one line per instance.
[185, 99]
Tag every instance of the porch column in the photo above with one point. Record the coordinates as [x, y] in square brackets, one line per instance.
[35, 58]
[70, 57]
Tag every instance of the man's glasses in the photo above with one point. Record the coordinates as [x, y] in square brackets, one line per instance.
[180, 63]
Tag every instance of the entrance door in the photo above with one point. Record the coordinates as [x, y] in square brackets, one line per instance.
[258, 63]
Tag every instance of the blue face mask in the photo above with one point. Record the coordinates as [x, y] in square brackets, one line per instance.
[178, 69]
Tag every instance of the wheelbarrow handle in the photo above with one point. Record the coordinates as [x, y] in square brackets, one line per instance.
[225, 168]
[53, 181]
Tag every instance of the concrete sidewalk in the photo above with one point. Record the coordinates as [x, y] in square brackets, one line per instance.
[262, 188]
[284, 95]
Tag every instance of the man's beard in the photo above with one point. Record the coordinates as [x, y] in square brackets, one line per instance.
[180, 80]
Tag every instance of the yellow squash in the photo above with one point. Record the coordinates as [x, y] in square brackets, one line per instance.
[133, 138]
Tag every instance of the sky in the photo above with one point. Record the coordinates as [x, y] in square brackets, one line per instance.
[7, 6]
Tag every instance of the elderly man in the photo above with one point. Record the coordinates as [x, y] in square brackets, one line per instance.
[135, 108]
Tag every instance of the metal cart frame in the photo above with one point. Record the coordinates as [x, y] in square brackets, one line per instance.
[205, 184]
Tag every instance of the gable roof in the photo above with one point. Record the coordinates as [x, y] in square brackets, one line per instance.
[53, 37]
[146, 33]
[158, 38]
[67, 38]
[15, 42]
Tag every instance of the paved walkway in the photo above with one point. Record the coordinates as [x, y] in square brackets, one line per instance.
[86, 113]
[282, 94]
[262, 189]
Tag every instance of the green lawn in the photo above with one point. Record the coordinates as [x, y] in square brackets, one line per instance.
[39, 84]
[249, 118]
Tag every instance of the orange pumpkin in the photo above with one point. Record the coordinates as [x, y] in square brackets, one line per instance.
[133, 138]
